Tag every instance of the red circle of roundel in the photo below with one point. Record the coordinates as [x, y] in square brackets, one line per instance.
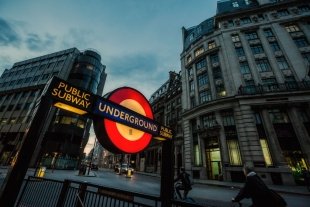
[123, 144]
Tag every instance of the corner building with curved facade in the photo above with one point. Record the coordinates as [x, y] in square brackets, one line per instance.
[64, 134]
[246, 91]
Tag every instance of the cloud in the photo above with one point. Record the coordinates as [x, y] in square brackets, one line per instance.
[8, 36]
[36, 43]
[140, 71]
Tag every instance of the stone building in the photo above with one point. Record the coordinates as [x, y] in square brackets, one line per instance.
[65, 134]
[246, 91]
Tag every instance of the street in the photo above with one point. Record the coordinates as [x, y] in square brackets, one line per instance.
[201, 193]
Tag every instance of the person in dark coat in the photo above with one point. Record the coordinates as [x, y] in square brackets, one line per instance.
[257, 190]
[185, 183]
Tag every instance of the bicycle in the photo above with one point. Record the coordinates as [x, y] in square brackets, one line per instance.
[178, 197]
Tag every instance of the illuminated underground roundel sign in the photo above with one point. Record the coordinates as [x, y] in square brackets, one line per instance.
[124, 130]
[123, 119]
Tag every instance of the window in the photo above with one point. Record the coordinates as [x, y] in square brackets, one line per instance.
[220, 91]
[42, 67]
[191, 37]
[209, 120]
[214, 58]
[189, 59]
[211, 45]
[2, 108]
[304, 8]
[282, 63]
[248, 2]
[190, 71]
[18, 107]
[230, 23]
[306, 57]
[20, 81]
[36, 78]
[263, 65]
[234, 152]
[203, 79]
[292, 28]
[251, 36]
[301, 42]
[274, 46]
[191, 86]
[27, 106]
[10, 107]
[27, 80]
[217, 73]
[270, 84]
[202, 63]
[277, 116]
[204, 96]
[59, 63]
[199, 51]
[283, 12]
[228, 118]
[240, 51]
[245, 20]
[266, 152]
[45, 76]
[268, 33]
[235, 4]
[257, 49]
[50, 65]
[244, 68]
[235, 38]
[192, 102]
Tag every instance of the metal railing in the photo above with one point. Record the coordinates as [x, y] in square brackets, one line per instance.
[271, 88]
[50, 193]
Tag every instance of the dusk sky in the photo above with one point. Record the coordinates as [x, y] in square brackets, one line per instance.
[140, 41]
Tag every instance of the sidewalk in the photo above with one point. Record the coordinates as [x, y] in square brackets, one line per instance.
[293, 189]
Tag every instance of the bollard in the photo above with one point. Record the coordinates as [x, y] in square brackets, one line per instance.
[129, 174]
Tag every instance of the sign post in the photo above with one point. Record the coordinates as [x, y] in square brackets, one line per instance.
[123, 123]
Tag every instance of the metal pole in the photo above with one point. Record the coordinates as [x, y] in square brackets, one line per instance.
[167, 173]
[14, 179]
[91, 158]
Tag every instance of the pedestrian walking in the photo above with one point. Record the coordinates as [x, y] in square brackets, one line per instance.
[257, 190]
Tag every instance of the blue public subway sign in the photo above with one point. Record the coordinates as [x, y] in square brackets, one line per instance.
[123, 120]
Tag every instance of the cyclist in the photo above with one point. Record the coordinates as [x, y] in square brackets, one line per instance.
[185, 183]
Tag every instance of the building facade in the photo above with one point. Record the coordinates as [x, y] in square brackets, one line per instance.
[167, 109]
[65, 134]
[246, 91]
